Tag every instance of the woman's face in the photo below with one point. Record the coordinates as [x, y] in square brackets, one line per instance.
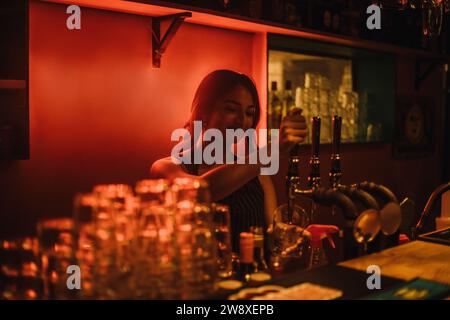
[234, 110]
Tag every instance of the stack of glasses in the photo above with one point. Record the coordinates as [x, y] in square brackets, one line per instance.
[319, 98]
[163, 241]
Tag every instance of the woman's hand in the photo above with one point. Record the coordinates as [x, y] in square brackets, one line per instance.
[292, 131]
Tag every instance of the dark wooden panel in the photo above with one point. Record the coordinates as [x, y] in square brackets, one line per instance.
[14, 124]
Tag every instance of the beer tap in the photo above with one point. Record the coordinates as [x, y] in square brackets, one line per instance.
[357, 195]
[330, 197]
[292, 180]
[314, 162]
[335, 172]
[315, 192]
[318, 195]
[384, 194]
[370, 195]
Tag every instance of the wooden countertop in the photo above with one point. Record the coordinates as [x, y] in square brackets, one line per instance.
[422, 259]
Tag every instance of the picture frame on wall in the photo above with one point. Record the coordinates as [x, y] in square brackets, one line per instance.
[414, 130]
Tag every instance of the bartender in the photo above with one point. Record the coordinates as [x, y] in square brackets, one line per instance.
[227, 99]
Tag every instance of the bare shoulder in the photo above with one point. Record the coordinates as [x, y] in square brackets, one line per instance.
[165, 168]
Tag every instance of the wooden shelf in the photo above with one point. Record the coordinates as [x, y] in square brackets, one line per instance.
[226, 21]
[12, 84]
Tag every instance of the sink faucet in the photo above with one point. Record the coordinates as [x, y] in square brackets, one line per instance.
[426, 213]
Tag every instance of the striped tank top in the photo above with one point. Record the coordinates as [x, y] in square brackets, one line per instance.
[246, 207]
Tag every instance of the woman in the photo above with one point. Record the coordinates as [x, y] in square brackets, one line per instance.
[229, 100]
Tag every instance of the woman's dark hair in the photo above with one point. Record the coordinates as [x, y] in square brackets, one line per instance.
[214, 86]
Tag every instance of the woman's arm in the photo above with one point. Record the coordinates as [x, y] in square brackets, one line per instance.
[227, 178]
[270, 198]
[223, 180]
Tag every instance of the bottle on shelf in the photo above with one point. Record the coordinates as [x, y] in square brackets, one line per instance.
[276, 10]
[350, 18]
[315, 14]
[253, 8]
[336, 16]
[292, 13]
[327, 16]
[275, 107]
[288, 98]
[228, 6]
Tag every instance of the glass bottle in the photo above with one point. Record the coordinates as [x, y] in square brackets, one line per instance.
[246, 243]
[288, 98]
[275, 107]
[259, 261]
[222, 233]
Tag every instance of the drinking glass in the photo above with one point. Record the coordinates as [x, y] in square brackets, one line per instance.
[288, 239]
[115, 224]
[57, 253]
[259, 262]
[20, 270]
[84, 206]
[194, 237]
[191, 190]
[156, 256]
[222, 233]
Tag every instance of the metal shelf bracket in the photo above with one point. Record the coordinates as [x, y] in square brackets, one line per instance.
[160, 44]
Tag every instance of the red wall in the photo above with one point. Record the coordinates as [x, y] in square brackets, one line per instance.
[99, 112]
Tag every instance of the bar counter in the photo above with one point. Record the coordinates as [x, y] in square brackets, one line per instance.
[398, 265]
[430, 261]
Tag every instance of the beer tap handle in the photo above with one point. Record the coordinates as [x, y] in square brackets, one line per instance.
[336, 143]
[314, 162]
[314, 177]
[315, 143]
[335, 172]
